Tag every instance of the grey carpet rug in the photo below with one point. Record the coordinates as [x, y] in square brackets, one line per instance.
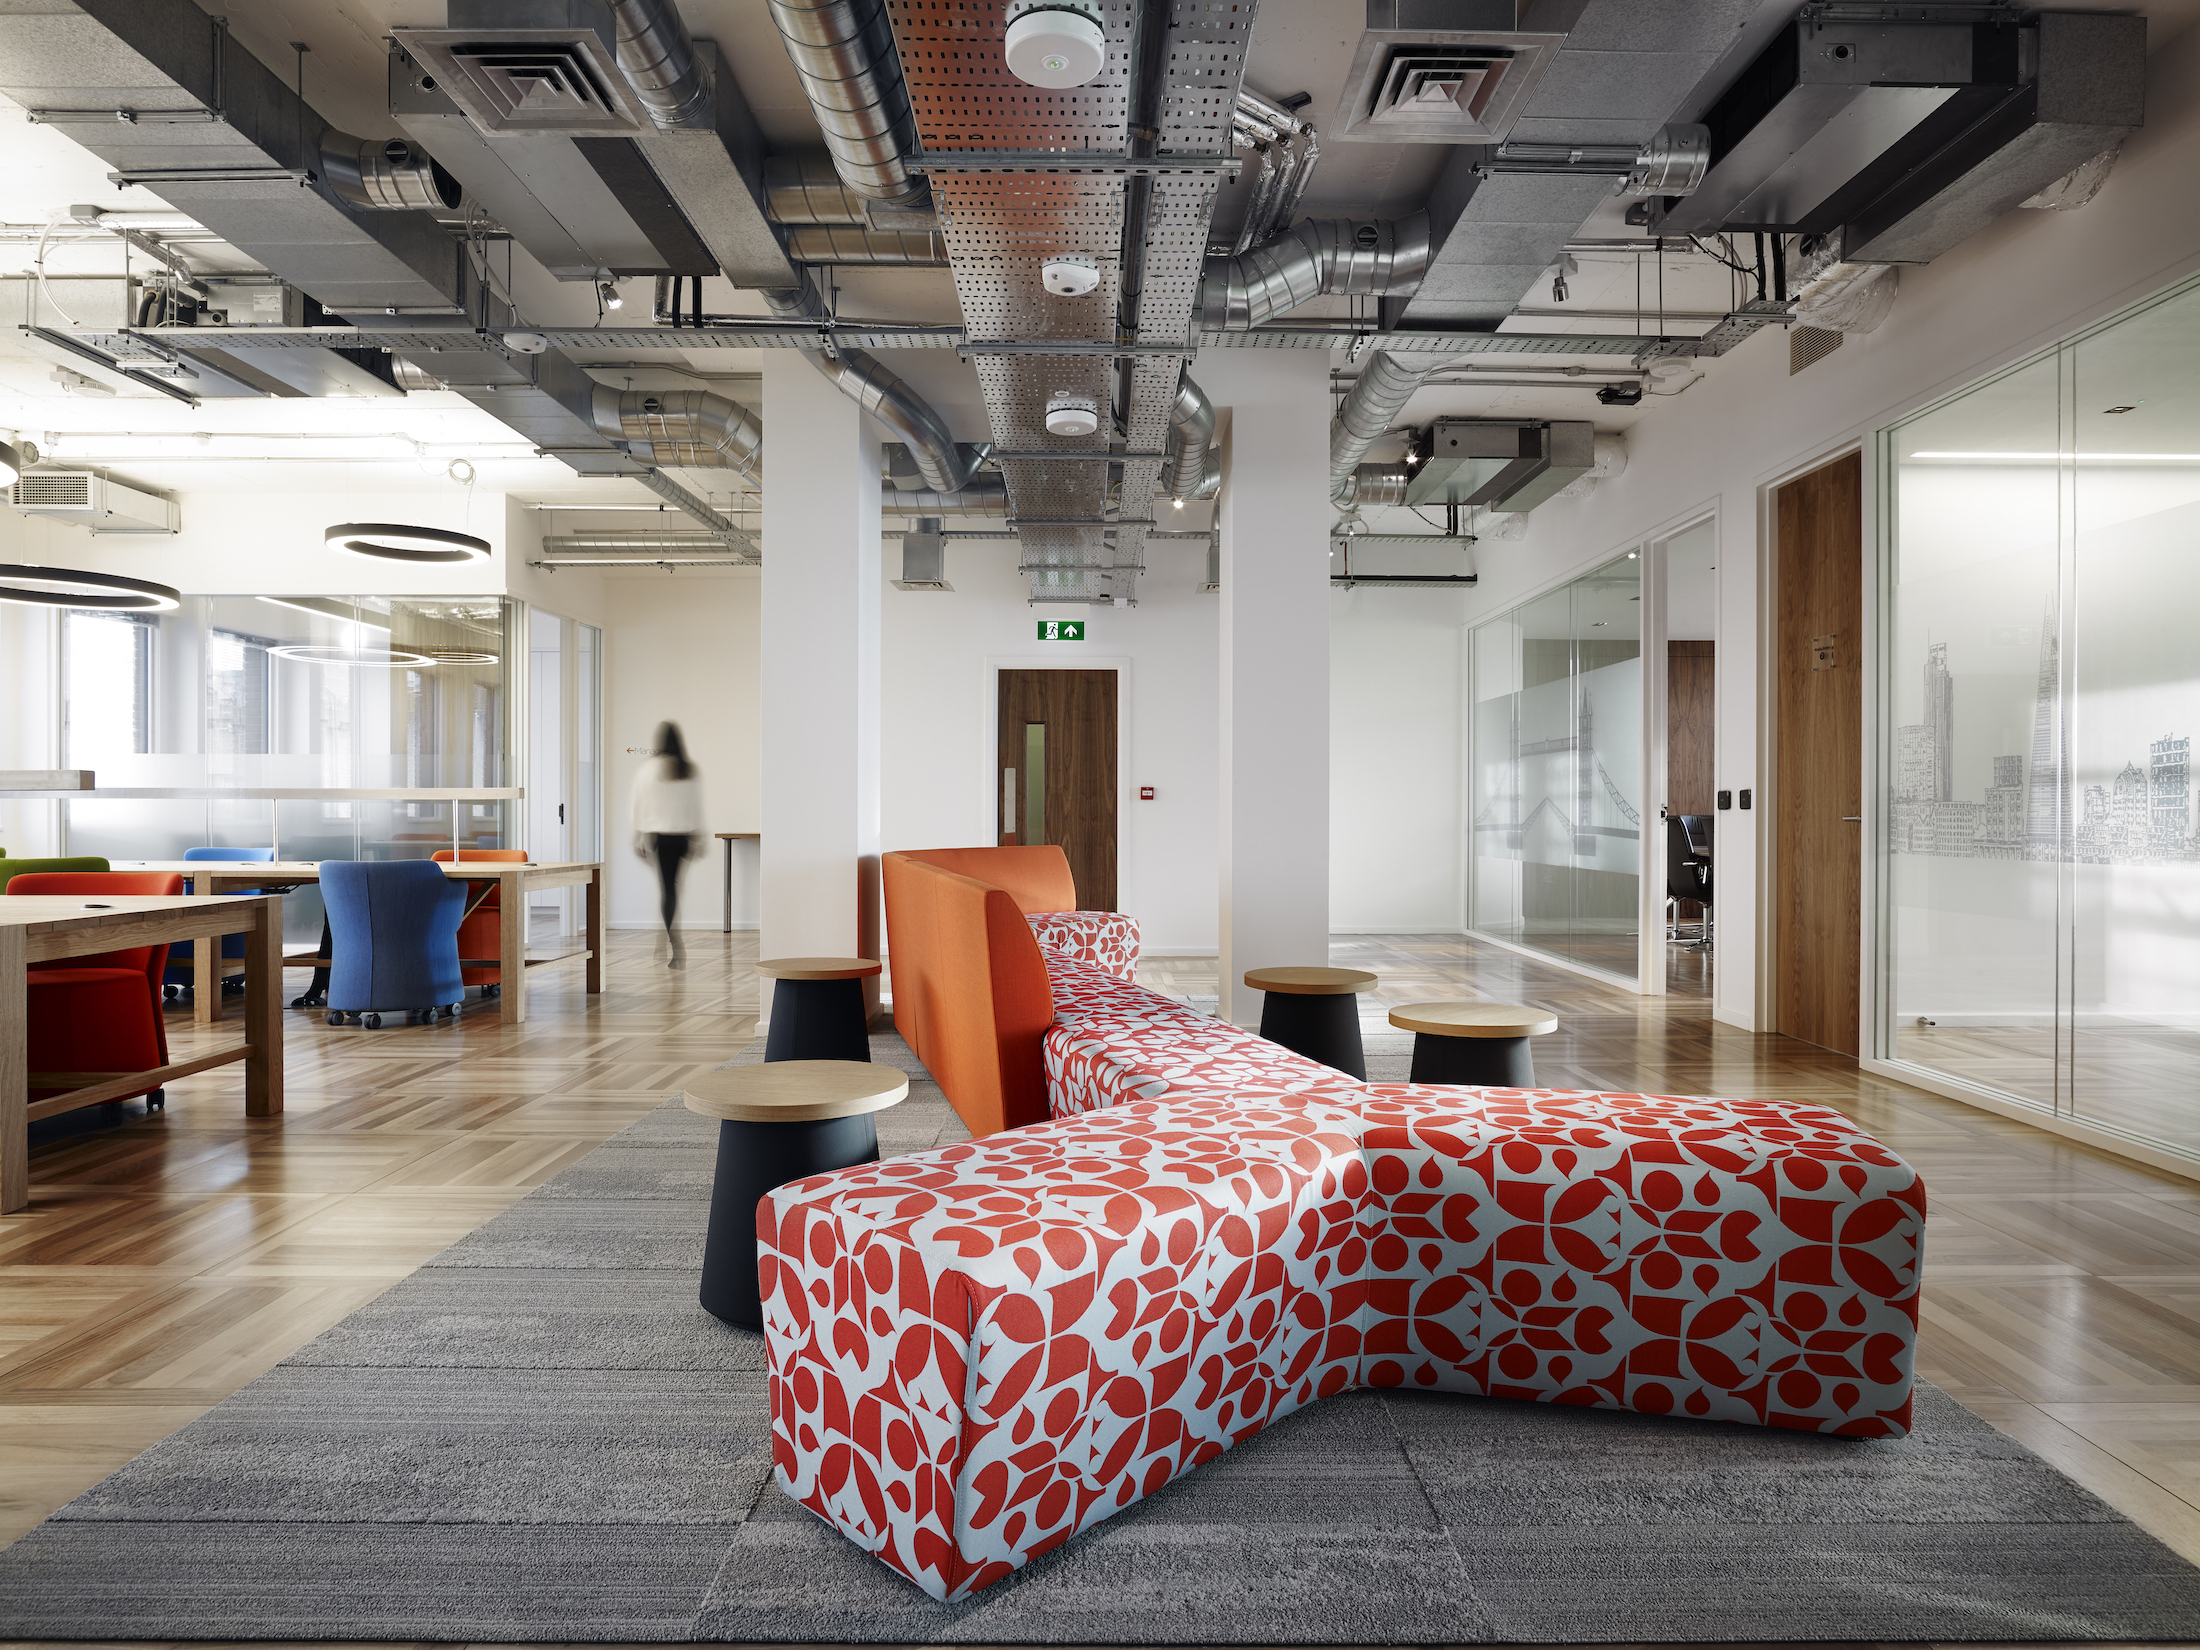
[541, 1437]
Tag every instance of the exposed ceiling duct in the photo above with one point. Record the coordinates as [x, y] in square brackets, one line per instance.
[1501, 465]
[1289, 150]
[1319, 257]
[600, 135]
[686, 429]
[843, 50]
[389, 176]
[1894, 137]
[1193, 469]
[1385, 385]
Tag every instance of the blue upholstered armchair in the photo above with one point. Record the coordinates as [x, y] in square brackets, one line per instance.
[181, 976]
[393, 925]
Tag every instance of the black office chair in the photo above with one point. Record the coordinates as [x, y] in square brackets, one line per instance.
[1688, 873]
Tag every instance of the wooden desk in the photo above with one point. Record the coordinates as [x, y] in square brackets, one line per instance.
[42, 927]
[729, 838]
[211, 876]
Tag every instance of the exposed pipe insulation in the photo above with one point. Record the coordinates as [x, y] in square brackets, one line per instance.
[946, 467]
[972, 501]
[1385, 385]
[659, 62]
[843, 50]
[1320, 257]
[375, 176]
[689, 429]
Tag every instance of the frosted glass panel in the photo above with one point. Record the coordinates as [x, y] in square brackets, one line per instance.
[2042, 913]
[1556, 769]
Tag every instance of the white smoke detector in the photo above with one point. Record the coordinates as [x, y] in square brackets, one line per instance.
[1070, 274]
[1055, 47]
[1072, 414]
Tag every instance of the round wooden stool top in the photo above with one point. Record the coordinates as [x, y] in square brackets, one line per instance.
[1473, 1019]
[818, 968]
[795, 1091]
[1309, 982]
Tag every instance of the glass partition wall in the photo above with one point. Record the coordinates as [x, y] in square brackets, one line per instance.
[1556, 771]
[288, 693]
[2039, 928]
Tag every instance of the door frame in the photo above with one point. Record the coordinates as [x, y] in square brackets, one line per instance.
[1763, 837]
[1656, 725]
[1126, 898]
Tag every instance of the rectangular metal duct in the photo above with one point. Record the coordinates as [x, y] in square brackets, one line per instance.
[601, 191]
[1445, 71]
[2087, 94]
[1501, 464]
[923, 556]
[1832, 112]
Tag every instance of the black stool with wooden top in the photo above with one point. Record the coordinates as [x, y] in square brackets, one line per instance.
[1314, 1012]
[1485, 1044]
[817, 1008]
[777, 1123]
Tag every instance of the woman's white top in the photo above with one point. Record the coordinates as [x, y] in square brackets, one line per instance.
[665, 806]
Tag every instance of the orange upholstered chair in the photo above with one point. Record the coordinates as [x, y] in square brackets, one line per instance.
[482, 933]
[970, 987]
[99, 1013]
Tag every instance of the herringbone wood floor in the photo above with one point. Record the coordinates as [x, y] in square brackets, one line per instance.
[165, 1262]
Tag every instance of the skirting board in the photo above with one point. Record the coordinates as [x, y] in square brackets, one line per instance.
[2154, 1157]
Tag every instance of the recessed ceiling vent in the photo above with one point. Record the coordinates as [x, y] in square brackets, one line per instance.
[529, 68]
[1441, 71]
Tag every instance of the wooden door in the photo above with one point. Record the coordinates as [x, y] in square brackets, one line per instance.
[1057, 767]
[1690, 722]
[1818, 795]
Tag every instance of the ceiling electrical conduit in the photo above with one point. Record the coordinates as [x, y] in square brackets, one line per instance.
[843, 50]
[1318, 258]
[1385, 385]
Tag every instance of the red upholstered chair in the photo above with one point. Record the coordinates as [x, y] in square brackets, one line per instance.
[99, 1013]
[482, 933]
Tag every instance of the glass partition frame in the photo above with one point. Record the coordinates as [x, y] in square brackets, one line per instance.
[2037, 909]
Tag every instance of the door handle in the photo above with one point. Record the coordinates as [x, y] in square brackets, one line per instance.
[1852, 819]
[561, 813]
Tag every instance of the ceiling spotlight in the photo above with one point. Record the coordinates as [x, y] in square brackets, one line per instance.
[1413, 458]
[358, 658]
[1179, 503]
[67, 587]
[1070, 414]
[609, 294]
[388, 541]
[1070, 274]
[1056, 47]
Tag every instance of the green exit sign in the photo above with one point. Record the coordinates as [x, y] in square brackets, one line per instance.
[1061, 630]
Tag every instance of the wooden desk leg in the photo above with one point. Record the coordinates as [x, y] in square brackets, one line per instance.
[512, 950]
[263, 1010]
[15, 1076]
[206, 981]
[595, 931]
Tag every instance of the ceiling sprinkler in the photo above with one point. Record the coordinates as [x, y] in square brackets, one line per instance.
[1056, 47]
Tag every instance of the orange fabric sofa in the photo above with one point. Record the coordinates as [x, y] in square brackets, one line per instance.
[970, 987]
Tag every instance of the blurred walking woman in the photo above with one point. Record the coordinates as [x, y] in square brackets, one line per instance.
[668, 822]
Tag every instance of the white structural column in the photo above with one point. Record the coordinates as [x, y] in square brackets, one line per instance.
[820, 671]
[1275, 664]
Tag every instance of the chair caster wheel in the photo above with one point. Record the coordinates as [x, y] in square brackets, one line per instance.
[373, 1022]
[335, 1019]
[156, 1101]
[490, 993]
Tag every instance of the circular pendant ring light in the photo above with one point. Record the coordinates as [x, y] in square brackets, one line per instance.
[390, 541]
[362, 658]
[461, 656]
[70, 587]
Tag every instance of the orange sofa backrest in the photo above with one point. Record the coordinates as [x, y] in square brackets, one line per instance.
[970, 987]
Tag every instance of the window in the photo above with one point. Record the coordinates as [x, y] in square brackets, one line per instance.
[107, 703]
[237, 703]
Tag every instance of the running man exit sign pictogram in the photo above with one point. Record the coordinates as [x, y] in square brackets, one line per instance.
[1061, 630]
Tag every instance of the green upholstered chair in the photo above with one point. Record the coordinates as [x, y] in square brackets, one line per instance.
[26, 867]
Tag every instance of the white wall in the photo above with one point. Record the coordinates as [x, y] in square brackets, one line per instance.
[682, 647]
[2025, 281]
[939, 782]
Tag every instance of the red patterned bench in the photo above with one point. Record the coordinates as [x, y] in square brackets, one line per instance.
[980, 1350]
